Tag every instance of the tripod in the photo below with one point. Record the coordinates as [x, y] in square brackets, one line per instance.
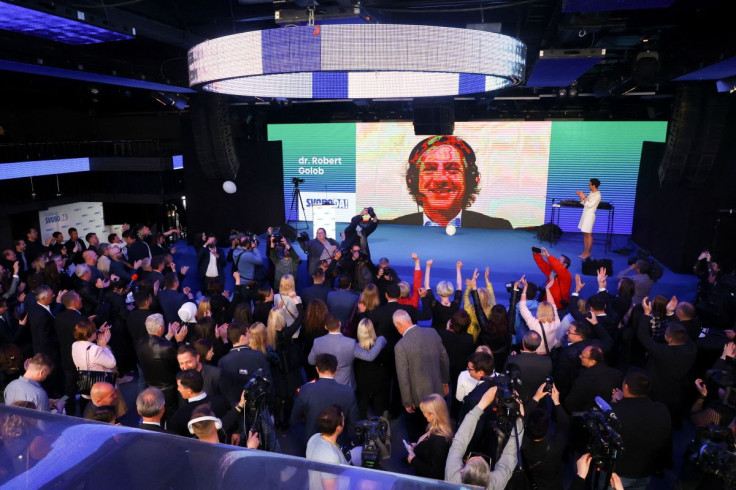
[296, 204]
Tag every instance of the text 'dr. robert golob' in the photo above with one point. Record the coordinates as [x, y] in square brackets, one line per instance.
[317, 170]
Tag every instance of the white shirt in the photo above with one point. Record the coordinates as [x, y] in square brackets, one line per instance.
[212, 266]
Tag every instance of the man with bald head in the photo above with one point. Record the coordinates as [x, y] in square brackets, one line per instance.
[422, 368]
[104, 394]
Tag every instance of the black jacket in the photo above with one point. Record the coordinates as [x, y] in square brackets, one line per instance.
[645, 429]
[157, 357]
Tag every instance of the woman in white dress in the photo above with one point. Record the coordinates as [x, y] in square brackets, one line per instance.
[590, 204]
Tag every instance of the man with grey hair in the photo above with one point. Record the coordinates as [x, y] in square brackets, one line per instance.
[89, 289]
[150, 405]
[157, 357]
[422, 368]
[43, 334]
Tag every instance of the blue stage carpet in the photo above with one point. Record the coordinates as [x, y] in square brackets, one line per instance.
[506, 252]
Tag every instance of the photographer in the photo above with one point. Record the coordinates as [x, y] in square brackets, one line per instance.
[360, 227]
[385, 275]
[543, 447]
[245, 259]
[357, 265]
[477, 471]
[283, 256]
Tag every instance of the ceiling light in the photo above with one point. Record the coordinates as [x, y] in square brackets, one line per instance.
[357, 61]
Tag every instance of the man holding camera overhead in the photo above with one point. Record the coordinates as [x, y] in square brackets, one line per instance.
[361, 225]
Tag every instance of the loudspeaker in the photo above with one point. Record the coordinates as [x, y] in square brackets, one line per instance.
[213, 136]
[590, 267]
[432, 117]
[289, 232]
[693, 136]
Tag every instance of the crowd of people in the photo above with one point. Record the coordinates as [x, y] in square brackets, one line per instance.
[482, 388]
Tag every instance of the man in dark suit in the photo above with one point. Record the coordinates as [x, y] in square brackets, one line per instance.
[74, 247]
[210, 262]
[319, 290]
[317, 395]
[137, 318]
[240, 364]
[170, 298]
[157, 357]
[668, 363]
[65, 323]
[532, 368]
[150, 405]
[645, 429]
[422, 368]
[341, 303]
[187, 357]
[595, 379]
[443, 178]
[190, 385]
[579, 336]
[43, 336]
[11, 331]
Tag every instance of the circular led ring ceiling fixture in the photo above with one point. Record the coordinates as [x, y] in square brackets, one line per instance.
[371, 61]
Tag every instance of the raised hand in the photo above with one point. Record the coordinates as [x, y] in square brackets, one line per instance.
[414, 256]
[459, 264]
[182, 333]
[487, 272]
[672, 304]
[184, 270]
[647, 305]
[702, 389]
[544, 252]
[579, 284]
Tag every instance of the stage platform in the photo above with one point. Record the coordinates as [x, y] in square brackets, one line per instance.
[506, 252]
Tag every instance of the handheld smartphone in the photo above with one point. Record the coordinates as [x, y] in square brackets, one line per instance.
[408, 447]
[536, 250]
[548, 384]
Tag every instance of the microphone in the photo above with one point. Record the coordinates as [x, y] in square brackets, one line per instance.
[606, 408]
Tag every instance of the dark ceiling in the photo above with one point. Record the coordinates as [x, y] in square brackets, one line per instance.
[686, 36]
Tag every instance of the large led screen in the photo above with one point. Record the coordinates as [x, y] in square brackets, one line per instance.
[506, 175]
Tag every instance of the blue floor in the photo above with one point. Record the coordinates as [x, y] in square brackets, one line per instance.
[506, 252]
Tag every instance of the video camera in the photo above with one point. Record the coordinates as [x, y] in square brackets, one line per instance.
[713, 452]
[531, 289]
[726, 380]
[256, 391]
[507, 384]
[605, 441]
[373, 434]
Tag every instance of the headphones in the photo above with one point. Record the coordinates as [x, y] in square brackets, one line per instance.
[190, 424]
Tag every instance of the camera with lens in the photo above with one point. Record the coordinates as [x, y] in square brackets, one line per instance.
[297, 181]
[256, 391]
[277, 236]
[531, 289]
[507, 384]
[373, 434]
[713, 452]
[604, 438]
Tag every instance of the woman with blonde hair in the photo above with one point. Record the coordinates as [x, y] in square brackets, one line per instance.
[262, 339]
[286, 299]
[487, 300]
[372, 378]
[429, 454]
[368, 301]
[203, 308]
[546, 323]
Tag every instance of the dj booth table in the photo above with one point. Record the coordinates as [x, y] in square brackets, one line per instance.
[557, 207]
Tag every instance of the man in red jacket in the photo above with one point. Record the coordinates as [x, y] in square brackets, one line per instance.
[556, 270]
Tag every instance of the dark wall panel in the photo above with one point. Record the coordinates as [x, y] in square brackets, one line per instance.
[258, 202]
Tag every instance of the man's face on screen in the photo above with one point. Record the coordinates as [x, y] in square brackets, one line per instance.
[442, 181]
